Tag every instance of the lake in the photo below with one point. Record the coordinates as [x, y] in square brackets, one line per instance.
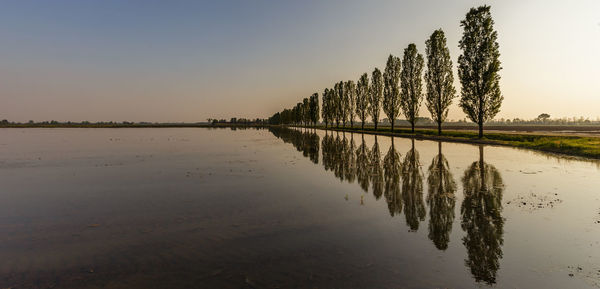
[289, 208]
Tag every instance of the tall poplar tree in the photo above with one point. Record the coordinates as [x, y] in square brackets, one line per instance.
[438, 78]
[332, 104]
[298, 113]
[350, 91]
[314, 108]
[478, 67]
[325, 106]
[376, 92]
[344, 103]
[305, 111]
[362, 98]
[337, 104]
[411, 84]
[391, 91]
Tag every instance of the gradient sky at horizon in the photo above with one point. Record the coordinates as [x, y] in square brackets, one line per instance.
[171, 61]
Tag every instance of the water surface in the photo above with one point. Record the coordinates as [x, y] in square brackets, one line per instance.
[282, 208]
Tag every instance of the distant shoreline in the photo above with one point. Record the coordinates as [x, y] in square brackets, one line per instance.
[537, 128]
[131, 125]
[545, 138]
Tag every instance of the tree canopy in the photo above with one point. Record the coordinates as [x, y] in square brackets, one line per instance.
[478, 67]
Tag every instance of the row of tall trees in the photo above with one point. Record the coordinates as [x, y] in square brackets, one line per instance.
[399, 89]
[304, 113]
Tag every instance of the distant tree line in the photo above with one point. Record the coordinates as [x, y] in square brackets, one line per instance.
[235, 120]
[399, 89]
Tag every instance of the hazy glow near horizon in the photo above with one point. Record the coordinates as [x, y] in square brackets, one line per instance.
[191, 60]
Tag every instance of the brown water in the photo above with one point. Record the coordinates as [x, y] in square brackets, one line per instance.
[217, 208]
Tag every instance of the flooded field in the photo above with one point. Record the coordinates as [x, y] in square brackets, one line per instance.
[284, 208]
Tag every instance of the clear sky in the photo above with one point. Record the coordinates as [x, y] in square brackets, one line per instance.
[191, 60]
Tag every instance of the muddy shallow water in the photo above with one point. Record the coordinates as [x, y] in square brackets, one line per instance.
[218, 208]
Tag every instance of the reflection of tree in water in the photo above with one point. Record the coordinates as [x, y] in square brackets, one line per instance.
[349, 159]
[362, 165]
[412, 189]
[376, 171]
[338, 156]
[338, 149]
[482, 220]
[313, 147]
[482, 184]
[391, 164]
[441, 200]
[328, 152]
[306, 142]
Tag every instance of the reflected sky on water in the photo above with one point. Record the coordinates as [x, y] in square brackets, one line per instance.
[294, 208]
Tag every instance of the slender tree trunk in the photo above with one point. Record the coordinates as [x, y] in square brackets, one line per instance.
[362, 126]
[412, 126]
[392, 126]
[480, 118]
[439, 128]
[375, 126]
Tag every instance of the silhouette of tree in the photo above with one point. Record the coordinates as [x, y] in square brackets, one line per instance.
[439, 78]
[543, 117]
[482, 220]
[391, 91]
[363, 165]
[391, 164]
[314, 108]
[478, 67]
[362, 98]
[376, 171]
[338, 104]
[344, 103]
[332, 100]
[350, 91]
[412, 189]
[411, 84]
[376, 92]
[306, 111]
[326, 107]
[441, 200]
[298, 113]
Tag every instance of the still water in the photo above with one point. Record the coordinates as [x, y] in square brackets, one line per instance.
[284, 208]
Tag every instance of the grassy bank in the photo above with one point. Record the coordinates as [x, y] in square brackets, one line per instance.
[568, 145]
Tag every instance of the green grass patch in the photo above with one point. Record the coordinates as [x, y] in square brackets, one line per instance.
[569, 145]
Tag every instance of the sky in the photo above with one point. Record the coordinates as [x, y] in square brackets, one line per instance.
[186, 61]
